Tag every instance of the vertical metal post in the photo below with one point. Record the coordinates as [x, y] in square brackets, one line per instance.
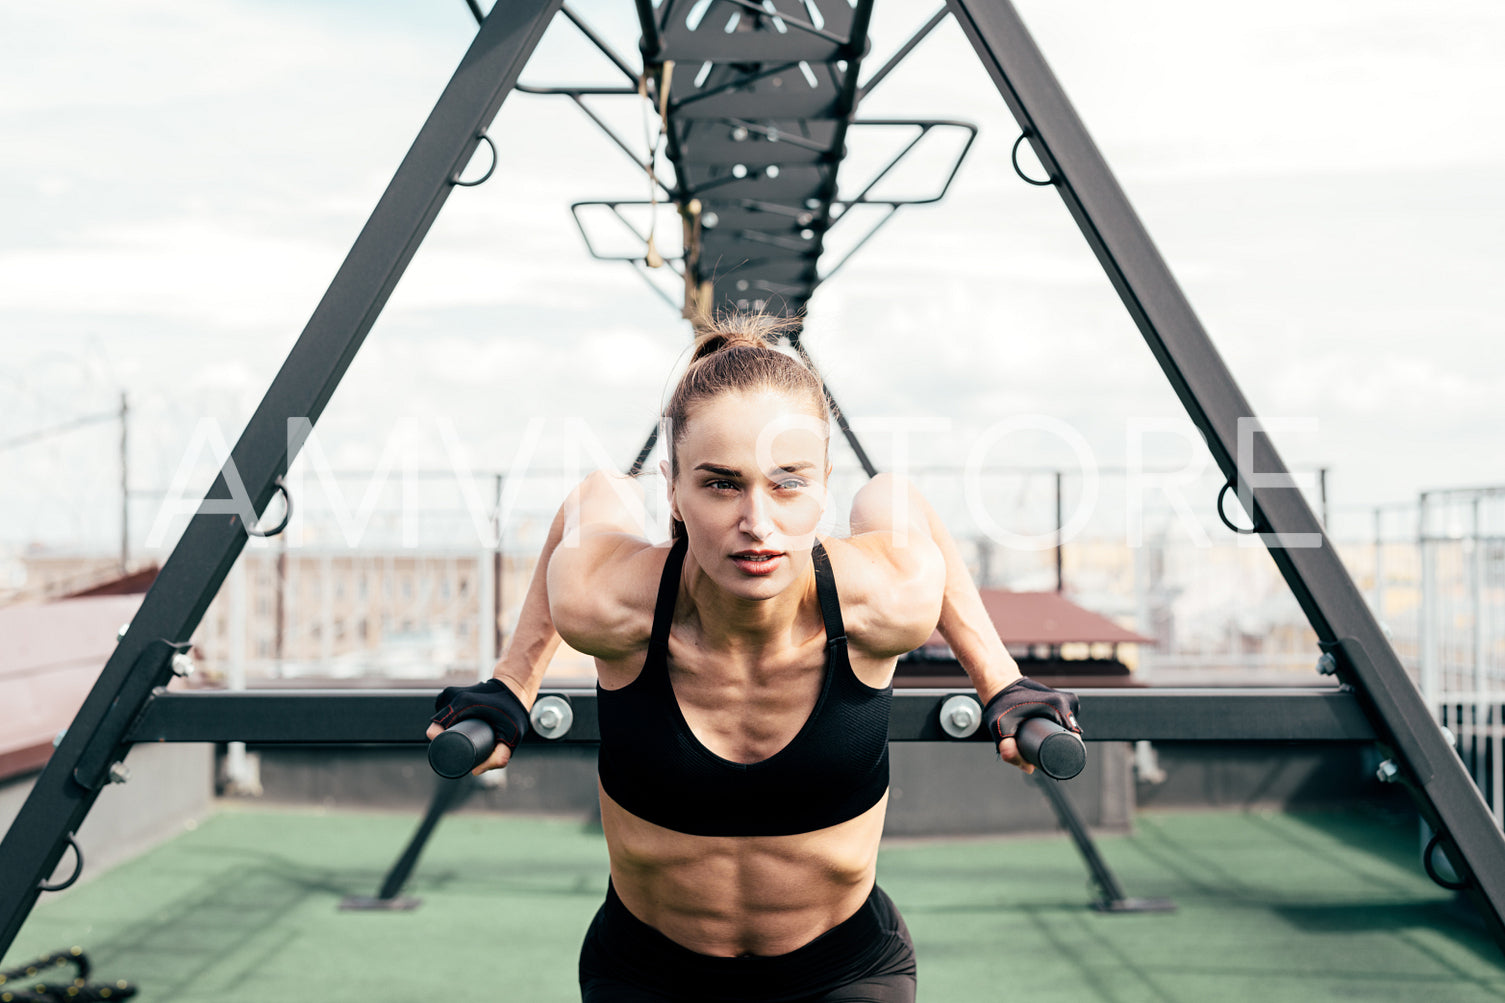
[1345, 626]
[62, 795]
[1322, 496]
[1427, 627]
[125, 489]
[1478, 703]
[1060, 534]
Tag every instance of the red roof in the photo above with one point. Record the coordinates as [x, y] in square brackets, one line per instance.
[52, 654]
[131, 584]
[1047, 618]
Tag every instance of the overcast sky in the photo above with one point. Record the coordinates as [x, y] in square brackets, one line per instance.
[179, 182]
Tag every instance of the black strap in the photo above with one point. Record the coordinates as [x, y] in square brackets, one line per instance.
[825, 591]
[668, 596]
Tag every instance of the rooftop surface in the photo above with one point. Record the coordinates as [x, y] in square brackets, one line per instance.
[1309, 907]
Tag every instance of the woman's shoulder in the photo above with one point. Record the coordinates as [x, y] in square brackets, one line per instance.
[890, 593]
[602, 595]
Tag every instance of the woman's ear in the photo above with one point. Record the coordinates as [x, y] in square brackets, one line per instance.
[663, 468]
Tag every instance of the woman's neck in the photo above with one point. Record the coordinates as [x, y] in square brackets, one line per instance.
[732, 623]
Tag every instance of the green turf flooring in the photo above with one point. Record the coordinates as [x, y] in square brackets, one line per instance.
[1302, 907]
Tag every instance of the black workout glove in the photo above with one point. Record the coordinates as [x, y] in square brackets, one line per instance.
[490, 701]
[1024, 698]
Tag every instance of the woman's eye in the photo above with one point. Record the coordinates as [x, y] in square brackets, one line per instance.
[793, 484]
[720, 485]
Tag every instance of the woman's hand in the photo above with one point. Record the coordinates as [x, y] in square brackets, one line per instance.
[493, 702]
[1009, 750]
[1017, 702]
[500, 756]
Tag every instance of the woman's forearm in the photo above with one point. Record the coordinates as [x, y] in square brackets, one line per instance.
[534, 640]
[964, 621]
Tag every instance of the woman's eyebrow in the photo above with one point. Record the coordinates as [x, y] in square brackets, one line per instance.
[783, 468]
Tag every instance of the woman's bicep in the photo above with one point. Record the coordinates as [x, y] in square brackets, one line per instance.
[891, 591]
[596, 599]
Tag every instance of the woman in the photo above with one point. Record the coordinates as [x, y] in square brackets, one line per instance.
[743, 702]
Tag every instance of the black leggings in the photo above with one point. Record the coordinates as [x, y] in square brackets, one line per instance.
[868, 958]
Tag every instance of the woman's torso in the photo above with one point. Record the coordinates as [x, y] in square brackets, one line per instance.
[741, 883]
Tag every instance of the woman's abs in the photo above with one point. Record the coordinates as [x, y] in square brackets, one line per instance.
[738, 895]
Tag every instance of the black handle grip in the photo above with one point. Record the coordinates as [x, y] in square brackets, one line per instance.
[1059, 752]
[461, 747]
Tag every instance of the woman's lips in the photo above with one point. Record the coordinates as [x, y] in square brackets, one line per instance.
[751, 565]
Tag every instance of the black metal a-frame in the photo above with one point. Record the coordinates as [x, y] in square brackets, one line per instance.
[1377, 699]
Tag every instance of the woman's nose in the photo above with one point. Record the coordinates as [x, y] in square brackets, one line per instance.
[755, 518]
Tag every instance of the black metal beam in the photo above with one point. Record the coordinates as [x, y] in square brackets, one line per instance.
[1445, 794]
[64, 792]
[1108, 715]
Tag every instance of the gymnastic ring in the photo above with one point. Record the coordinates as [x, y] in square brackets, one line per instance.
[287, 514]
[1426, 862]
[1014, 156]
[1223, 516]
[454, 178]
[78, 868]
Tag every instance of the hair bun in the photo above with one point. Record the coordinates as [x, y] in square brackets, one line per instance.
[741, 330]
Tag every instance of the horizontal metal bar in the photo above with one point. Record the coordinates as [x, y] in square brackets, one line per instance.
[1108, 715]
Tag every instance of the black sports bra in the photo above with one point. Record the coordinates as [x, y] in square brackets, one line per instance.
[833, 770]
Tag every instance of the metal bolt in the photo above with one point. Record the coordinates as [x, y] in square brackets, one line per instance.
[960, 716]
[805, 218]
[119, 773]
[709, 220]
[1388, 772]
[1327, 664]
[552, 716]
[739, 134]
[771, 171]
[182, 665]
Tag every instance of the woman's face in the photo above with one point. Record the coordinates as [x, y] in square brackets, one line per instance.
[751, 489]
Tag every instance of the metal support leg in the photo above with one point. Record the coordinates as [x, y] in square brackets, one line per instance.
[1345, 626]
[95, 742]
[448, 795]
[1110, 895]
[836, 412]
